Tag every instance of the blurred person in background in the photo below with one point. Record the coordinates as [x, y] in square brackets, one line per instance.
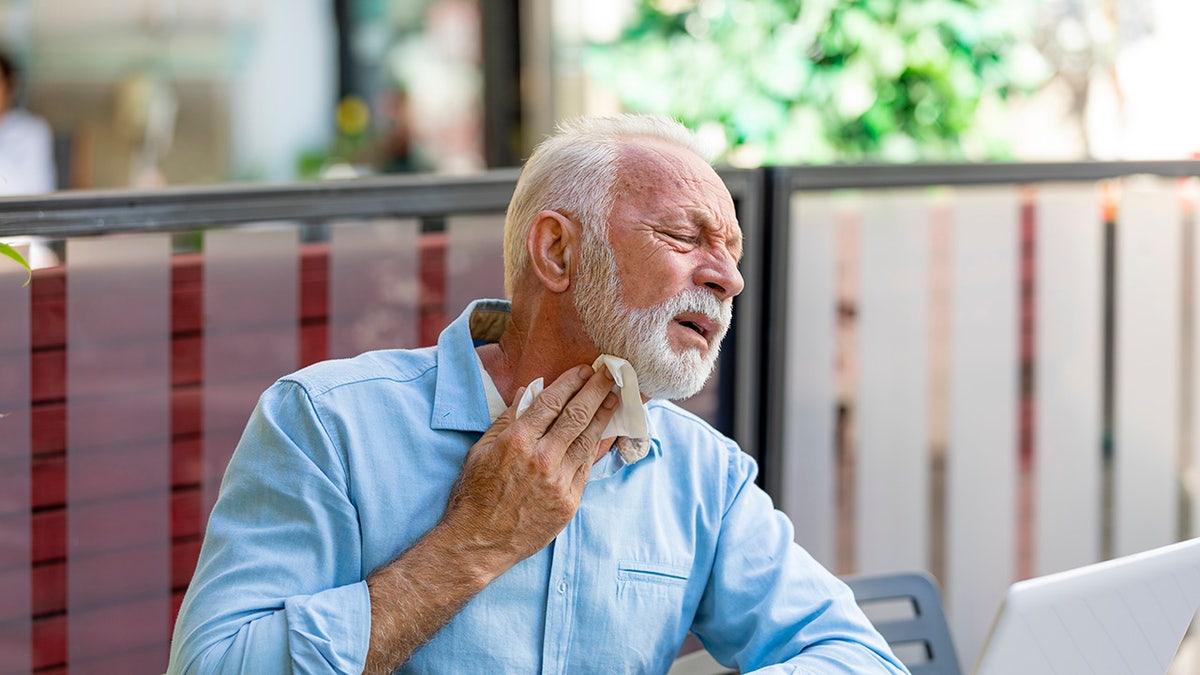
[26, 143]
[144, 115]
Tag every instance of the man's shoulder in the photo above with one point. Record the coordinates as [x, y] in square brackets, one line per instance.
[393, 365]
[671, 422]
[695, 453]
[675, 415]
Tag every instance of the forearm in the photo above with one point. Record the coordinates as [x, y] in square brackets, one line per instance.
[419, 592]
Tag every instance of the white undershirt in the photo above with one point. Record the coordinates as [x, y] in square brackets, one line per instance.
[495, 402]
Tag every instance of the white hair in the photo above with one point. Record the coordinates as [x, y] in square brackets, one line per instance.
[573, 172]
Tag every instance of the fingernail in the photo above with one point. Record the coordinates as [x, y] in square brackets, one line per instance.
[610, 401]
[584, 372]
[608, 374]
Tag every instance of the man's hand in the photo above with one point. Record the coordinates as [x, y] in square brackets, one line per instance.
[520, 485]
[523, 481]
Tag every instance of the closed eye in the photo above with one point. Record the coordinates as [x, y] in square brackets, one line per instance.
[688, 239]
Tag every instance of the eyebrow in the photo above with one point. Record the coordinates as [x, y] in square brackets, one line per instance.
[733, 242]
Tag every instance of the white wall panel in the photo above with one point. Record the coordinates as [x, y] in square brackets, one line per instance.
[1147, 379]
[1191, 479]
[1068, 377]
[807, 462]
[892, 487]
[283, 89]
[982, 401]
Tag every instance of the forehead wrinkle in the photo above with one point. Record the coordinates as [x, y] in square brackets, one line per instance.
[661, 165]
[703, 218]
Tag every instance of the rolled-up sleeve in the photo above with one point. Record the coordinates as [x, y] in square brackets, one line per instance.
[769, 607]
[279, 584]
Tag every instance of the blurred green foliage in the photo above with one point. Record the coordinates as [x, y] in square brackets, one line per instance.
[352, 143]
[10, 252]
[821, 81]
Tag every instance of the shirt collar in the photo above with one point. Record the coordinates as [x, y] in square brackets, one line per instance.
[459, 403]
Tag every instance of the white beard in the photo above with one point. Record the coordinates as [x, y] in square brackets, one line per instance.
[640, 335]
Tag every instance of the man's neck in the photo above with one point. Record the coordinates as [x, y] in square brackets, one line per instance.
[523, 355]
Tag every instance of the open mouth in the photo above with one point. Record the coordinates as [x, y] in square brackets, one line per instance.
[701, 326]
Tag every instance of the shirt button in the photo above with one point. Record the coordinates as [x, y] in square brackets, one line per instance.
[562, 587]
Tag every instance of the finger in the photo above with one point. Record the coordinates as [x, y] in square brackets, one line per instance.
[581, 410]
[549, 404]
[511, 410]
[581, 451]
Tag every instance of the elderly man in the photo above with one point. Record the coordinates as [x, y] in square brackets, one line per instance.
[437, 510]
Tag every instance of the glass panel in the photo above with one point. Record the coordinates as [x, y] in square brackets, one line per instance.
[810, 397]
[15, 442]
[981, 457]
[474, 261]
[374, 296]
[1068, 377]
[1147, 412]
[251, 312]
[892, 488]
[118, 453]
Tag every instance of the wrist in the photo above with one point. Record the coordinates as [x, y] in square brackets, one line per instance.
[476, 560]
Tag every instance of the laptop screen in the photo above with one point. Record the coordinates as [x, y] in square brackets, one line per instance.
[1126, 615]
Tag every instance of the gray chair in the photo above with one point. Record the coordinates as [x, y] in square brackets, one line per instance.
[906, 609]
[698, 662]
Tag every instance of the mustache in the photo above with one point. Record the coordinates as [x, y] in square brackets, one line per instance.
[700, 301]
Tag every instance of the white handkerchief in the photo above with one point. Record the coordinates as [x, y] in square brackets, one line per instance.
[628, 422]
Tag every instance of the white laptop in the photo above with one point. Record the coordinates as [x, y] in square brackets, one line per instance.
[1126, 615]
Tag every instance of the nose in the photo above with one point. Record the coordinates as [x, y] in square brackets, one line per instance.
[721, 275]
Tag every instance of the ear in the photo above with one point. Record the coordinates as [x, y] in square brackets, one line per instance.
[552, 244]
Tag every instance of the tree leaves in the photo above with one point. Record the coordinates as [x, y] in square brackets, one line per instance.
[817, 81]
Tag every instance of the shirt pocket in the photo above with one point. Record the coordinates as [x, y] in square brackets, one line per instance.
[636, 573]
[651, 619]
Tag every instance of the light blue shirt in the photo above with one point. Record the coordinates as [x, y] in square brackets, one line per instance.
[345, 464]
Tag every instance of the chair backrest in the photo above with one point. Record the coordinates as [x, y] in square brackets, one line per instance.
[698, 662]
[906, 609]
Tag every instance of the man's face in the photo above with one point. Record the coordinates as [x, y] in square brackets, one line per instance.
[658, 289]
